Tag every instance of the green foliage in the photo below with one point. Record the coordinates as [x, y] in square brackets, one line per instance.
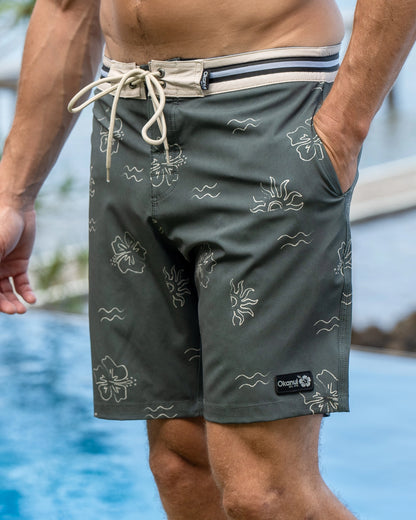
[19, 9]
[52, 273]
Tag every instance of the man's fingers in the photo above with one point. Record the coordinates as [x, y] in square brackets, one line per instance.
[9, 303]
[22, 287]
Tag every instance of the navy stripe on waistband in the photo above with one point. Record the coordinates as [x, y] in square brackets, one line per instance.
[104, 71]
[270, 66]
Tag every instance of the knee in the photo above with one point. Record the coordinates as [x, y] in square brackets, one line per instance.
[250, 504]
[170, 470]
[280, 503]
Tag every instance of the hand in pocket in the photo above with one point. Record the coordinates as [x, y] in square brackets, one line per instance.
[342, 151]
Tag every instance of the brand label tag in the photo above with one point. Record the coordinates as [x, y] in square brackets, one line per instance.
[292, 383]
[205, 80]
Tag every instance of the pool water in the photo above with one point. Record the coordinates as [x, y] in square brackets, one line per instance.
[58, 462]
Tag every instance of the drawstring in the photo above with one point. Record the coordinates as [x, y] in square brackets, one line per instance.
[131, 78]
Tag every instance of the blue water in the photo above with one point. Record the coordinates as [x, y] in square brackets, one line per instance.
[59, 462]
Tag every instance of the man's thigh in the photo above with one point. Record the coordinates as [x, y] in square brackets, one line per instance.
[264, 453]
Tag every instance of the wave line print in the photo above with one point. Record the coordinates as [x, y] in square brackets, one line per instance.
[328, 330]
[165, 408]
[204, 192]
[112, 314]
[327, 322]
[330, 325]
[161, 416]
[129, 175]
[91, 225]
[346, 298]
[264, 379]
[249, 122]
[302, 240]
[254, 375]
[254, 384]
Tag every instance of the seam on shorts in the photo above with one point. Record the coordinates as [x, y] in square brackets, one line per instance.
[235, 409]
[343, 347]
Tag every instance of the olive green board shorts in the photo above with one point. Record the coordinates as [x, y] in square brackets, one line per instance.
[220, 275]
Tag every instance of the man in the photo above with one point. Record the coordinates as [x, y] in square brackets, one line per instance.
[220, 263]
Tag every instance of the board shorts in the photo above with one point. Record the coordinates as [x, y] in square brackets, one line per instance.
[220, 258]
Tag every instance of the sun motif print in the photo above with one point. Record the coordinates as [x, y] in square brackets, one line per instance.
[112, 380]
[344, 258]
[277, 197]
[162, 172]
[241, 304]
[306, 142]
[118, 135]
[205, 266]
[325, 399]
[129, 254]
[177, 284]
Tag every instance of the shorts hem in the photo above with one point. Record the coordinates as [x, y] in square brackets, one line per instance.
[139, 412]
[262, 413]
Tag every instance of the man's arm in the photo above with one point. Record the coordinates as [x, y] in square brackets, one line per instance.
[62, 51]
[382, 36]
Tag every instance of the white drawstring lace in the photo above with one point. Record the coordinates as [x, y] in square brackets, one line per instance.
[132, 78]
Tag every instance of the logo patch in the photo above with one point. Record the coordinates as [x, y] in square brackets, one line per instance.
[293, 383]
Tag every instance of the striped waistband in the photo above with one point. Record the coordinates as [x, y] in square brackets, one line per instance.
[203, 77]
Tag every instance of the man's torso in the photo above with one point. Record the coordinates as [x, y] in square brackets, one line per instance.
[141, 30]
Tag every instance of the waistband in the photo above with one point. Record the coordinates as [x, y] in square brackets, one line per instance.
[204, 77]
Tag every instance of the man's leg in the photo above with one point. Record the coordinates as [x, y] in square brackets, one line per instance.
[179, 462]
[269, 471]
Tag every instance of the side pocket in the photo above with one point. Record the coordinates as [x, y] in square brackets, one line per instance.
[327, 167]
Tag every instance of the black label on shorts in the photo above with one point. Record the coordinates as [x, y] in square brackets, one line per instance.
[205, 80]
[292, 383]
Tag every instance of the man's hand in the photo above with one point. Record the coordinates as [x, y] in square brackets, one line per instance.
[342, 146]
[383, 34]
[17, 234]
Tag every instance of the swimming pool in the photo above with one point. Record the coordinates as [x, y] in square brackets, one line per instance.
[58, 462]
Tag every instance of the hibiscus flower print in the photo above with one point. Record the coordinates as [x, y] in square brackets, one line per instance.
[164, 172]
[205, 266]
[344, 258]
[325, 399]
[306, 142]
[112, 380]
[129, 254]
[118, 135]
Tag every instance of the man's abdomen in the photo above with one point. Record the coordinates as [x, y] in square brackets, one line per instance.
[159, 29]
